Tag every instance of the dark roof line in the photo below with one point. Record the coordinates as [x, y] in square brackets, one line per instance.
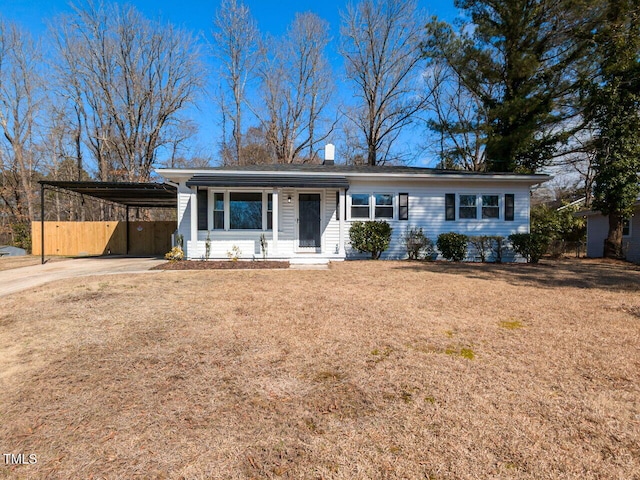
[283, 181]
[133, 194]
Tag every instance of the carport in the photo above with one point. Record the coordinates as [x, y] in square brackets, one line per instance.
[127, 194]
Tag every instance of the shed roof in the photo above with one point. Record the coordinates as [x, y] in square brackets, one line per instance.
[132, 194]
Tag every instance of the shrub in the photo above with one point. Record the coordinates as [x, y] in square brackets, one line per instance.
[370, 237]
[21, 235]
[497, 247]
[530, 245]
[418, 245]
[452, 246]
[482, 244]
[175, 254]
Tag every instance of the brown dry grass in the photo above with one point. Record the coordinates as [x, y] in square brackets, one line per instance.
[366, 370]
[9, 263]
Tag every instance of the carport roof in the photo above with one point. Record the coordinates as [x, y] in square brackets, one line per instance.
[132, 194]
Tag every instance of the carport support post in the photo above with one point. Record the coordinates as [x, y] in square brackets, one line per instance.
[42, 223]
[127, 214]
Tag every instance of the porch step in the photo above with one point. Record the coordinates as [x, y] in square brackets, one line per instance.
[308, 261]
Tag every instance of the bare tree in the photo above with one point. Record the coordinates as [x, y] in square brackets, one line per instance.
[381, 47]
[456, 120]
[21, 99]
[129, 79]
[296, 90]
[236, 44]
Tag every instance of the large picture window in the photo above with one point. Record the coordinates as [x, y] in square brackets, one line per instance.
[360, 205]
[245, 211]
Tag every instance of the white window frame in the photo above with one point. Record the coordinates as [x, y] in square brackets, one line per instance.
[227, 208]
[373, 205]
[459, 206]
[499, 206]
[478, 206]
[350, 205]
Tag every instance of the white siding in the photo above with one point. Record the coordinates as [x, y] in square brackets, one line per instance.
[598, 229]
[184, 212]
[427, 211]
[633, 241]
[222, 242]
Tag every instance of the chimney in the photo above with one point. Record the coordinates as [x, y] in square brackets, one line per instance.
[329, 154]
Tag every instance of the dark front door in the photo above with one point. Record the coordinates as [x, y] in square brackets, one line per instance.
[309, 226]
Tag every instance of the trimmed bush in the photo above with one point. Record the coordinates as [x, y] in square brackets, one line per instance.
[530, 245]
[418, 245]
[452, 246]
[370, 237]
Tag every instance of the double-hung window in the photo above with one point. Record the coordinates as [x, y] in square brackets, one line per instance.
[490, 206]
[360, 205]
[369, 206]
[384, 205]
[218, 211]
[626, 227]
[467, 206]
[483, 206]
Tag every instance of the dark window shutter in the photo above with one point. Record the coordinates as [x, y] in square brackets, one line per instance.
[509, 206]
[203, 207]
[338, 205]
[450, 206]
[403, 213]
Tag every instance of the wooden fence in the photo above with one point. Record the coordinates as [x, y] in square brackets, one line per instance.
[102, 238]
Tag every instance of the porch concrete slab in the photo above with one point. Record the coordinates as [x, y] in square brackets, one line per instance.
[309, 266]
[24, 278]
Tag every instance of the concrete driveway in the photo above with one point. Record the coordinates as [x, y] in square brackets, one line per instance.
[18, 279]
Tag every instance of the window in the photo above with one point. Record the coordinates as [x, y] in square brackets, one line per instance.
[203, 207]
[490, 206]
[403, 206]
[384, 205]
[467, 207]
[360, 205]
[218, 211]
[245, 211]
[509, 207]
[626, 227]
[450, 206]
[270, 211]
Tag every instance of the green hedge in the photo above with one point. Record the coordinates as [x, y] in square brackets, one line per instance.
[370, 237]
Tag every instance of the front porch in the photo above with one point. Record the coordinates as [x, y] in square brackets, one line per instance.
[301, 225]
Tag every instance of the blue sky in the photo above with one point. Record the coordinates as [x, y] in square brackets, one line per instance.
[273, 17]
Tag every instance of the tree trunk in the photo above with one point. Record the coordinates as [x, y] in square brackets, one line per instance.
[613, 242]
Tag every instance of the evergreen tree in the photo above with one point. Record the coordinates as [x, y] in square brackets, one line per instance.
[613, 108]
[520, 58]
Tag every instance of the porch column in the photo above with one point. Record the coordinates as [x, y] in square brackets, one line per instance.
[275, 211]
[192, 250]
[343, 213]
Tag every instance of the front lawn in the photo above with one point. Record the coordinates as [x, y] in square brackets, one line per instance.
[366, 370]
